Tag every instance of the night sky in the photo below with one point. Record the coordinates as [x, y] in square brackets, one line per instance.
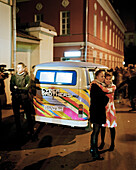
[126, 11]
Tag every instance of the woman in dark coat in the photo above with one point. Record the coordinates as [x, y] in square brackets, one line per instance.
[97, 112]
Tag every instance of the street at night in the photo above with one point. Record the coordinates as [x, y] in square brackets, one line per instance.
[63, 65]
[63, 147]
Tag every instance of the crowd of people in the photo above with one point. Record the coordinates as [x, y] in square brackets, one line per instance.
[125, 80]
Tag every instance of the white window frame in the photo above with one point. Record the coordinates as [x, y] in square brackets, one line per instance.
[106, 34]
[110, 37]
[113, 43]
[101, 30]
[118, 43]
[95, 25]
[116, 40]
[66, 19]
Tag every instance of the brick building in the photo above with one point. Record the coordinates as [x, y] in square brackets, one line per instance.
[87, 30]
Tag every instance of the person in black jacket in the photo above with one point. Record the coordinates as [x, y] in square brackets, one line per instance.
[97, 112]
[19, 86]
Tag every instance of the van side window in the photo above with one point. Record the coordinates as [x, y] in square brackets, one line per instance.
[62, 77]
[87, 77]
[91, 73]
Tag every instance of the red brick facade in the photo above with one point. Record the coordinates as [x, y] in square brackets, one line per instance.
[107, 50]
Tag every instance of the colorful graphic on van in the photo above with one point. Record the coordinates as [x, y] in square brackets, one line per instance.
[62, 103]
[54, 92]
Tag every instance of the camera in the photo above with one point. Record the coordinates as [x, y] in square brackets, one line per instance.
[3, 71]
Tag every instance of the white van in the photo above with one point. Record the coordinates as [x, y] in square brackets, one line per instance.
[62, 92]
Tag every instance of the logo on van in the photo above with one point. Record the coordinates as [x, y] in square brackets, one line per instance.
[54, 92]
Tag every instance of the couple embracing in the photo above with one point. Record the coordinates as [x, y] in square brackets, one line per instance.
[102, 111]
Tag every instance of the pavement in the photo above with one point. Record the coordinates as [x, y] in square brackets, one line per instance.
[59, 147]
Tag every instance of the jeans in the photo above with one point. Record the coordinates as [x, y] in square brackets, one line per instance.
[18, 100]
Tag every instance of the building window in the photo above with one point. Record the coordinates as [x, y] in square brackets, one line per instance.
[94, 56]
[64, 23]
[94, 60]
[95, 6]
[113, 39]
[95, 25]
[116, 40]
[113, 62]
[110, 61]
[100, 61]
[106, 33]
[101, 55]
[105, 59]
[101, 29]
[38, 17]
[110, 37]
[118, 43]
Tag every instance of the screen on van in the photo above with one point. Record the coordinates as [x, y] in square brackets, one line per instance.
[65, 77]
[48, 76]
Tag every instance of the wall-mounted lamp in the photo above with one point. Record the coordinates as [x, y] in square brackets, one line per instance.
[81, 47]
[91, 48]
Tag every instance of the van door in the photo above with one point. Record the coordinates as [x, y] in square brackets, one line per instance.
[57, 86]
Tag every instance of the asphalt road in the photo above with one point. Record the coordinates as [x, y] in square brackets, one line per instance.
[62, 147]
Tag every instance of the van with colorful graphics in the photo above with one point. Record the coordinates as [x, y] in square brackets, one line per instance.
[62, 92]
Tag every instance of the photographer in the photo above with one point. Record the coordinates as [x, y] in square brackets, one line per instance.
[19, 86]
[3, 98]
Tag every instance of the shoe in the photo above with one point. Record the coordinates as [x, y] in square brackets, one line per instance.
[111, 148]
[101, 146]
[98, 158]
[95, 155]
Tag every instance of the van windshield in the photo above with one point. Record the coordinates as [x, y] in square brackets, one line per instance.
[64, 77]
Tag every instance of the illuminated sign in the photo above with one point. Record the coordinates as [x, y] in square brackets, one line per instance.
[72, 54]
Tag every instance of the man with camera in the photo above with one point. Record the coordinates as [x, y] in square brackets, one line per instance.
[19, 86]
